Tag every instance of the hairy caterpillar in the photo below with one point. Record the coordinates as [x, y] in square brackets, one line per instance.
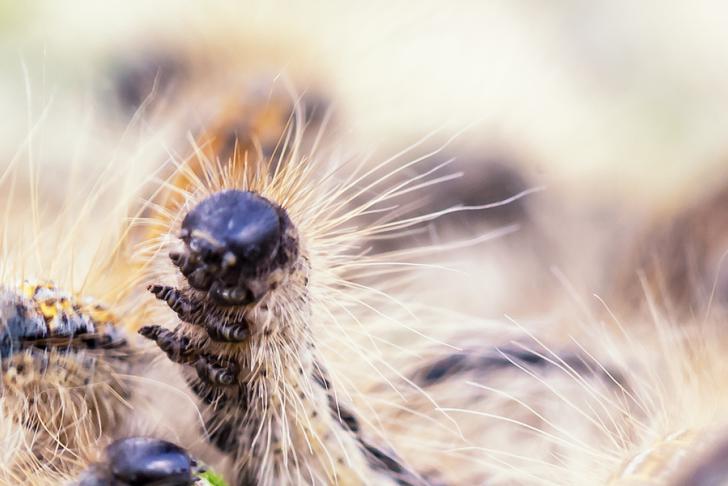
[313, 359]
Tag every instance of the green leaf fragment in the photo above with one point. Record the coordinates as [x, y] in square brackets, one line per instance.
[209, 478]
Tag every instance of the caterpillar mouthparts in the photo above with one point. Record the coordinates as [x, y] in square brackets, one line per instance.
[236, 246]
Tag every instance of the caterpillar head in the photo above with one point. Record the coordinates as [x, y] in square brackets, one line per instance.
[237, 247]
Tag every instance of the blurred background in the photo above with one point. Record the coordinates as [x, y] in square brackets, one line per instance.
[616, 109]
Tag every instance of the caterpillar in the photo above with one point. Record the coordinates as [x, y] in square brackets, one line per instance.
[261, 317]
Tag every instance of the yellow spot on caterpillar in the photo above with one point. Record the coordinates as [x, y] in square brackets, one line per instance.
[58, 307]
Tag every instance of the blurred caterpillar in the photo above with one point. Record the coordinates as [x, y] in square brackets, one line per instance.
[302, 353]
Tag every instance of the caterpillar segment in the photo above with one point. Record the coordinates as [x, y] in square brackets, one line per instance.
[707, 464]
[678, 249]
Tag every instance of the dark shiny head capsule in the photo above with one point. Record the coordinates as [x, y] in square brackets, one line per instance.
[242, 223]
[140, 461]
[233, 239]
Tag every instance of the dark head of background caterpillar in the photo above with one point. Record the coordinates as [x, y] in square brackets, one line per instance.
[235, 243]
[141, 461]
